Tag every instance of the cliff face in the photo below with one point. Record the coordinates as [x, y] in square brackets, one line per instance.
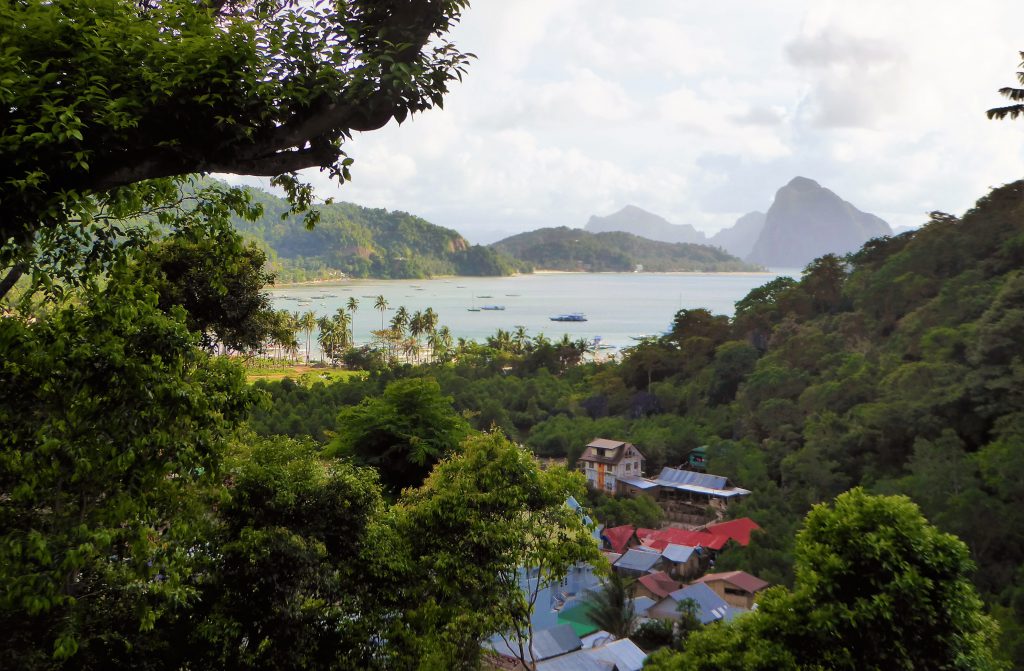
[806, 221]
[739, 238]
[632, 219]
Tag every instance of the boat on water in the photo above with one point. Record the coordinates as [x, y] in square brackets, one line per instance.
[485, 296]
[492, 307]
[571, 317]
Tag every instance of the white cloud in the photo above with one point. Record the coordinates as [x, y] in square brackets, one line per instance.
[701, 112]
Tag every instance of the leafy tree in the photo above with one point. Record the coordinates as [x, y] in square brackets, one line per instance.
[248, 88]
[288, 588]
[219, 281]
[403, 433]
[110, 416]
[487, 531]
[877, 587]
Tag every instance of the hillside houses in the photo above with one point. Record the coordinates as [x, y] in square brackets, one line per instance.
[617, 468]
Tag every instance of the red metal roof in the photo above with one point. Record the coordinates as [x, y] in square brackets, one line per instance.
[659, 540]
[618, 537]
[741, 579]
[739, 530]
[659, 583]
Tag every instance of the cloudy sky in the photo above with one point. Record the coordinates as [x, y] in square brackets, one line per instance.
[700, 111]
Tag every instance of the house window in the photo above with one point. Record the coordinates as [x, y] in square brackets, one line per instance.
[628, 465]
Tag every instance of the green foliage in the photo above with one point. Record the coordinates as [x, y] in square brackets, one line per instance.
[364, 242]
[611, 606]
[110, 418]
[877, 587]
[486, 524]
[247, 88]
[219, 282]
[613, 511]
[403, 433]
[575, 249]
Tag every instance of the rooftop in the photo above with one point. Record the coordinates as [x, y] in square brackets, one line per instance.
[739, 530]
[638, 560]
[742, 579]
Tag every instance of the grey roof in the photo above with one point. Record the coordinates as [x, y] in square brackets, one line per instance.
[711, 607]
[555, 641]
[621, 655]
[677, 554]
[676, 476]
[606, 444]
[642, 604]
[547, 643]
[701, 483]
[637, 560]
[637, 481]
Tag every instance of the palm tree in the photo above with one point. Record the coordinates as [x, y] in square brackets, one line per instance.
[611, 607]
[520, 339]
[352, 305]
[417, 327]
[326, 336]
[343, 322]
[429, 320]
[381, 304]
[401, 319]
[307, 322]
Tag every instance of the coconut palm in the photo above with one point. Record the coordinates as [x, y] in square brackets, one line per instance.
[343, 323]
[326, 337]
[381, 303]
[307, 322]
[352, 305]
[401, 319]
[429, 320]
[611, 607]
[417, 326]
[520, 339]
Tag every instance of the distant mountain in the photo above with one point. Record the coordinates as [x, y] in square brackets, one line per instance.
[632, 219]
[365, 242]
[576, 249]
[807, 221]
[739, 238]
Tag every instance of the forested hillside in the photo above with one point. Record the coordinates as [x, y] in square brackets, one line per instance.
[365, 242]
[565, 248]
[899, 368]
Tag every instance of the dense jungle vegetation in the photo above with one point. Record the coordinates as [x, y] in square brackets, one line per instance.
[575, 249]
[899, 369]
[364, 242]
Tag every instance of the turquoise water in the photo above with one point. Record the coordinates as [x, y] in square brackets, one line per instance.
[618, 306]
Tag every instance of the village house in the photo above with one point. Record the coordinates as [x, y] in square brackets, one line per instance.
[710, 606]
[637, 562]
[605, 462]
[738, 588]
[657, 585]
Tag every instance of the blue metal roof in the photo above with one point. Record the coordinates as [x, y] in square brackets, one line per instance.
[637, 560]
[711, 607]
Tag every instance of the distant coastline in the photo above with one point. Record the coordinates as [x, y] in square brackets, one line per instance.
[342, 280]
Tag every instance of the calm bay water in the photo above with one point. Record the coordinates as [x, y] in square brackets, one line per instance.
[618, 306]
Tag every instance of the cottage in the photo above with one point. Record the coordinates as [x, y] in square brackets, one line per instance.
[618, 539]
[682, 561]
[605, 461]
[710, 606]
[675, 484]
[738, 588]
[637, 562]
[657, 585]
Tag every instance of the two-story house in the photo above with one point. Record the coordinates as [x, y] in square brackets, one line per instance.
[606, 461]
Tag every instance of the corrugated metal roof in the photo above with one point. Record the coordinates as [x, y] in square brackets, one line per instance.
[638, 482]
[711, 607]
[555, 641]
[606, 444]
[741, 579]
[739, 530]
[641, 604]
[676, 476]
[677, 554]
[638, 560]
[621, 655]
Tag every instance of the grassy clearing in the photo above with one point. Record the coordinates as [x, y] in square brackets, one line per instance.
[277, 371]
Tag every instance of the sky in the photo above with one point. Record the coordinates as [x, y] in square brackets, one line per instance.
[700, 112]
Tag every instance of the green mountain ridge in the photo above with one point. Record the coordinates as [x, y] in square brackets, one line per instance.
[365, 242]
[574, 249]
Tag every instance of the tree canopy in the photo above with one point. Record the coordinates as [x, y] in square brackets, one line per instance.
[102, 103]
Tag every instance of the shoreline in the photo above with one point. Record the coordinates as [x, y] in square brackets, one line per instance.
[344, 280]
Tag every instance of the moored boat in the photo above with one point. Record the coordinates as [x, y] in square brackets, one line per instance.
[571, 317]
